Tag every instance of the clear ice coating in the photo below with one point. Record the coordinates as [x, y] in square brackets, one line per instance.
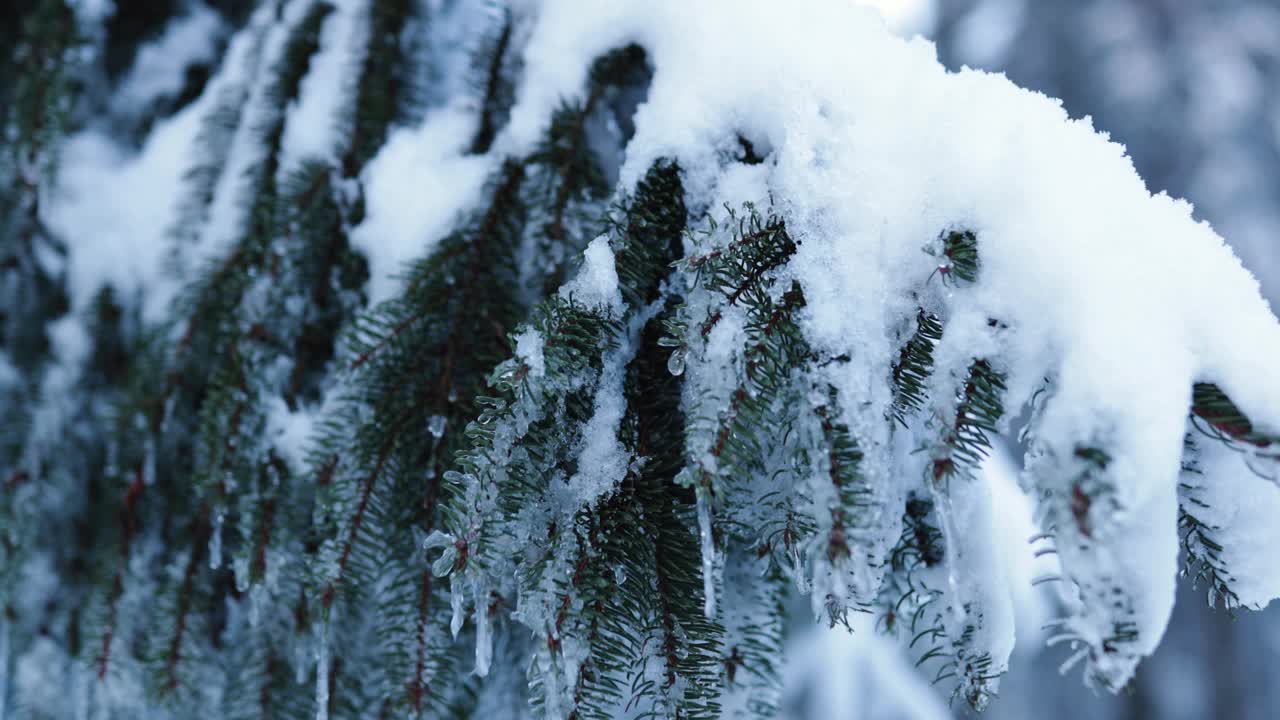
[708, 554]
[457, 602]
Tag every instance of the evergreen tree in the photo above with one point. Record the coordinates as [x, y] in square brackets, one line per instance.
[633, 398]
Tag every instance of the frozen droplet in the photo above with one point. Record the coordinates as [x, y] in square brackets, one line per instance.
[619, 574]
[435, 425]
[675, 363]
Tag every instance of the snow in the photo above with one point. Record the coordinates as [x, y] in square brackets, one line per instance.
[603, 461]
[161, 66]
[291, 431]
[1241, 509]
[1023, 555]
[118, 206]
[529, 347]
[416, 190]
[311, 121]
[596, 284]
[227, 216]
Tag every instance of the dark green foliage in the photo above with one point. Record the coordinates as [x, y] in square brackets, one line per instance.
[844, 461]
[1216, 416]
[39, 48]
[385, 88]
[915, 365]
[667, 513]
[569, 188]
[738, 273]
[967, 441]
[499, 93]
[35, 111]
[1202, 554]
[416, 365]
[960, 248]
[43, 69]
[738, 270]
[906, 597]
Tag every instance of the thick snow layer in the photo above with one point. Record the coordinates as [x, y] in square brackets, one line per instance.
[596, 284]
[312, 121]
[1025, 554]
[416, 189]
[1119, 297]
[161, 66]
[1241, 512]
[120, 206]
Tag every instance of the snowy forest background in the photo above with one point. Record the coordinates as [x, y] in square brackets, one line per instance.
[1190, 87]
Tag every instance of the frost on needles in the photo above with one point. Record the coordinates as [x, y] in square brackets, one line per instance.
[710, 305]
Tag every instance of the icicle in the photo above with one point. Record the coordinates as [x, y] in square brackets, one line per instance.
[708, 554]
[215, 543]
[322, 672]
[149, 462]
[484, 644]
[457, 601]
